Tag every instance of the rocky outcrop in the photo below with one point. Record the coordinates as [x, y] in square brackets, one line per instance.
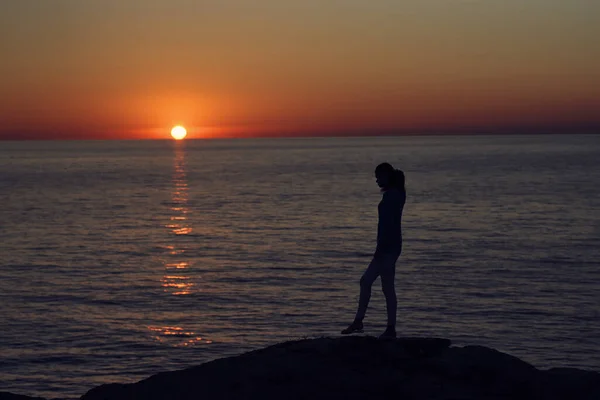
[362, 368]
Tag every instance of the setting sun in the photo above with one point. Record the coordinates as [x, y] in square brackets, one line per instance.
[178, 132]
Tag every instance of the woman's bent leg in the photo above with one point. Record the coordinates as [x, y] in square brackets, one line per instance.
[366, 281]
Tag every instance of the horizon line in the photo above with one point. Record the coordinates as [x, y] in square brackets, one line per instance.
[514, 132]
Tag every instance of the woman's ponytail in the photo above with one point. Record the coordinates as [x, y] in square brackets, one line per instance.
[399, 180]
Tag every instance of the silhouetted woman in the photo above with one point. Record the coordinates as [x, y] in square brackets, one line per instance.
[389, 247]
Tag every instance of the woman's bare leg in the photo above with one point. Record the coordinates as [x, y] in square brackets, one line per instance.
[366, 281]
[388, 274]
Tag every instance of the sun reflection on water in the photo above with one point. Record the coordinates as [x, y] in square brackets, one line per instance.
[178, 279]
[179, 199]
[175, 282]
[163, 333]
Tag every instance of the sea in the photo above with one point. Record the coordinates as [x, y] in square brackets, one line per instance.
[122, 259]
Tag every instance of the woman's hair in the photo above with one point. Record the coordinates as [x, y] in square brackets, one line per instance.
[396, 176]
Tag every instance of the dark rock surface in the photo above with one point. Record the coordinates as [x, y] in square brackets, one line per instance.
[361, 368]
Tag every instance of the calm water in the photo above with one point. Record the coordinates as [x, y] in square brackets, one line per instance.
[122, 259]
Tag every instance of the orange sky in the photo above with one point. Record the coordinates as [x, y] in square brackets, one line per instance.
[133, 69]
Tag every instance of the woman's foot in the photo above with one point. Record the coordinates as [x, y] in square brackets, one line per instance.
[355, 327]
[389, 333]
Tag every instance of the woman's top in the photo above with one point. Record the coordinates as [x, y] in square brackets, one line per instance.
[389, 227]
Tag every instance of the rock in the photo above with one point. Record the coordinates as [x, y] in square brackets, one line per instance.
[361, 368]
[570, 383]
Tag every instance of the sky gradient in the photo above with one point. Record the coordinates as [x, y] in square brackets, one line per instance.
[134, 68]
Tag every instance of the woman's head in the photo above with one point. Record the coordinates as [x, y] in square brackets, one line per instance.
[388, 177]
